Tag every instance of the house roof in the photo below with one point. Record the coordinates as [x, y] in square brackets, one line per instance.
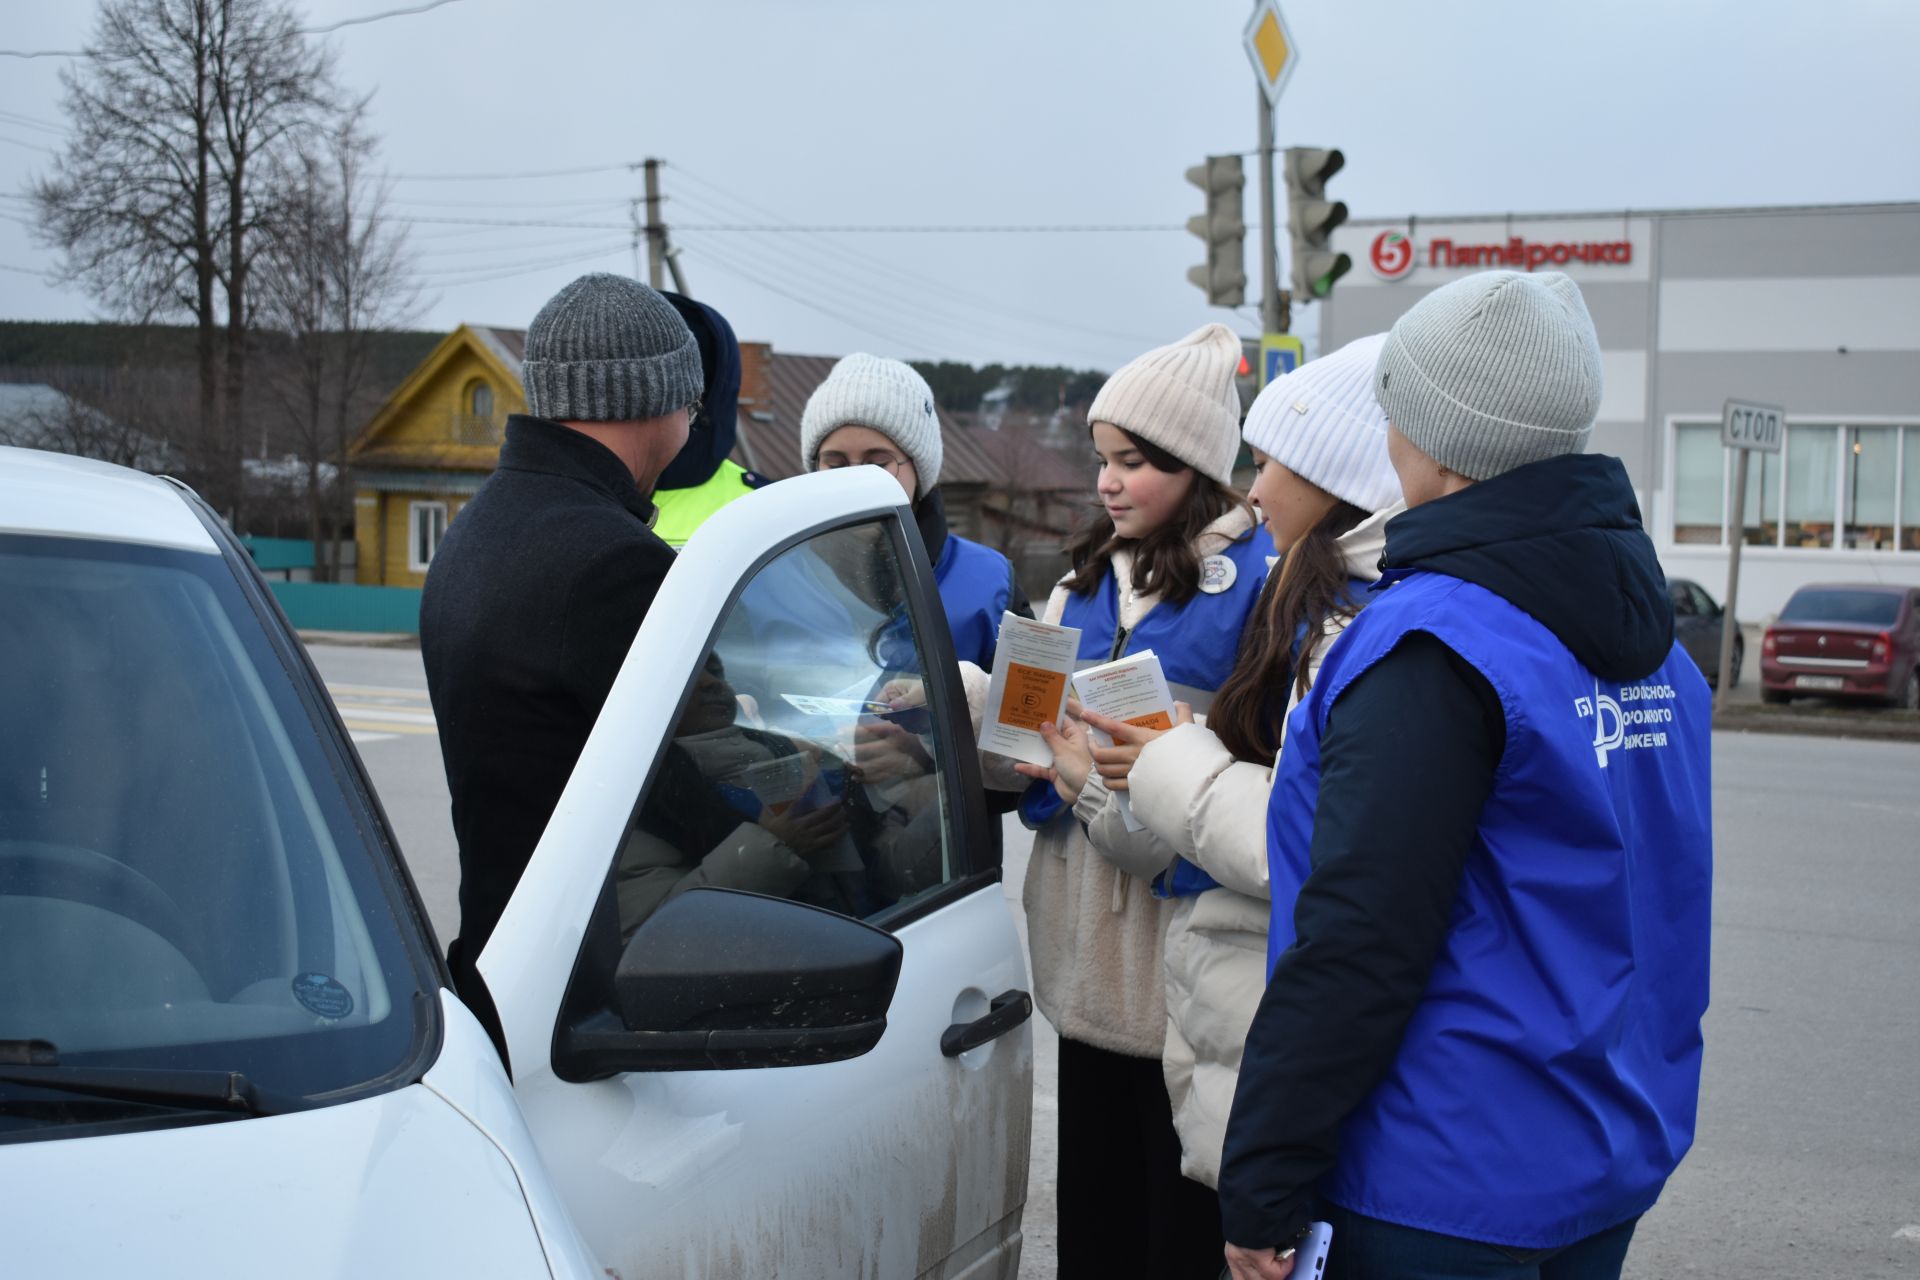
[768, 438]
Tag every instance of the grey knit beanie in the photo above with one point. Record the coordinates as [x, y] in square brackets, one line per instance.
[1494, 371]
[1322, 423]
[1182, 398]
[609, 349]
[886, 395]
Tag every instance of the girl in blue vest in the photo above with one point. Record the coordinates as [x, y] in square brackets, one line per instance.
[880, 412]
[1173, 563]
[1489, 846]
[1325, 490]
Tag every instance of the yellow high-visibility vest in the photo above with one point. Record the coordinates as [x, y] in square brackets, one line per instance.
[684, 510]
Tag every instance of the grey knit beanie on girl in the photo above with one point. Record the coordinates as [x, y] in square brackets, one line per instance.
[886, 395]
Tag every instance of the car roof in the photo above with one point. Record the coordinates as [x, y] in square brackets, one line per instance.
[1878, 588]
[68, 497]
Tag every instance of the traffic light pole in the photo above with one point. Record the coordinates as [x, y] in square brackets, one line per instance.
[1273, 307]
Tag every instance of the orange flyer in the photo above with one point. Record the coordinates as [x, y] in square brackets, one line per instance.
[1032, 695]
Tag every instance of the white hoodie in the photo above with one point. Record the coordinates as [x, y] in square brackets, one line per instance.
[1199, 802]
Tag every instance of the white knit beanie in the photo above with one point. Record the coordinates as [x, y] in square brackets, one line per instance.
[1494, 371]
[1181, 398]
[1322, 423]
[886, 395]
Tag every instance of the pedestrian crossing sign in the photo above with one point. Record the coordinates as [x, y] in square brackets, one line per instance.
[1279, 353]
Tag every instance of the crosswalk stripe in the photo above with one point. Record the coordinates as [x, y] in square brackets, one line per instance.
[386, 728]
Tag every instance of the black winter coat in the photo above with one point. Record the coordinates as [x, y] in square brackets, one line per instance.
[531, 605]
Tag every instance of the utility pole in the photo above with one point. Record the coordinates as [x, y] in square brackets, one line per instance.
[1274, 317]
[633, 212]
[656, 233]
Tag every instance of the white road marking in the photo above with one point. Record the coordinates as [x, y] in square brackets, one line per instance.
[1909, 1232]
[368, 737]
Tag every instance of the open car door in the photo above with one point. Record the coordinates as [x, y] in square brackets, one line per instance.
[765, 1005]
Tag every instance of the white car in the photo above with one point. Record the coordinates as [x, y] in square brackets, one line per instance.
[227, 1042]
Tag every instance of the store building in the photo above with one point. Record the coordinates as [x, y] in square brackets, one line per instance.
[1815, 309]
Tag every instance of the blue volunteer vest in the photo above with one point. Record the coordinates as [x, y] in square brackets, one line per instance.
[976, 586]
[1547, 1084]
[1197, 642]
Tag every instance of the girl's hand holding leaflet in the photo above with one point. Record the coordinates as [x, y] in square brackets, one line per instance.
[1072, 757]
[1116, 762]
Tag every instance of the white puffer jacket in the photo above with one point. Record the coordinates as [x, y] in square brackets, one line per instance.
[1197, 801]
[1095, 932]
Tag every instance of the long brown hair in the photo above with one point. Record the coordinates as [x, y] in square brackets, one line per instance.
[1165, 560]
[1310, 586]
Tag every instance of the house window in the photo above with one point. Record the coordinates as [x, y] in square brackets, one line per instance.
[480, 401]
[1856, 488]
[426, 525]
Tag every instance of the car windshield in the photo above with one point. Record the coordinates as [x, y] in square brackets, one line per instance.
[188, 879]
[1862, 608]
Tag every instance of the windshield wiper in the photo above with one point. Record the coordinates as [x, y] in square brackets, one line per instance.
[36, 1062]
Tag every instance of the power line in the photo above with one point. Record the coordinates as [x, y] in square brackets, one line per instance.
[28, 271]
[31, 146]
[461, 279]
[32, 122]
[375, 17]
[508, 177]
[942, 229]
[305, 31]
[995, 308]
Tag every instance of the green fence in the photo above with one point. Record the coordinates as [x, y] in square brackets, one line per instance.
[274, 554]
[339, 606]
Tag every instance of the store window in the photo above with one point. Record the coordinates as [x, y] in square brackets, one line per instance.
[1699, 483]
[1833, 487]
[1910, 490]
[1761, 519]
[1872, 461]
[1813, 455]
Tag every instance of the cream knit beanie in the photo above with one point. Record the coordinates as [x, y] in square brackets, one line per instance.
[1322, 423]
[1182, 398]
[890, 397]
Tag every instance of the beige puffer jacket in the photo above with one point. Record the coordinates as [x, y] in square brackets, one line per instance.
[1198, 801]
[1095, 932]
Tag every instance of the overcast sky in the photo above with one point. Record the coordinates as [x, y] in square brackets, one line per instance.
[1032, 112]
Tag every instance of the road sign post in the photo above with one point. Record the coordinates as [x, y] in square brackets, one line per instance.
[1270, 48]
[1744, 427]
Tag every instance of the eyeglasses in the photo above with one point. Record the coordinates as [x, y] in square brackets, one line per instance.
[834, 461]
[696, 414]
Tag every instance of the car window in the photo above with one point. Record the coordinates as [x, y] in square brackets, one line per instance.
[1829, 604]
[184, 883]
[805, 763]
[1702, 602]
[1683, 603]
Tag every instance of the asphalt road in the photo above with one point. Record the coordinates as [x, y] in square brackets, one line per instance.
[1807, 1160]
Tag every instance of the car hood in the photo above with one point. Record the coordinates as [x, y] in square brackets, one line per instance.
[398, 1184]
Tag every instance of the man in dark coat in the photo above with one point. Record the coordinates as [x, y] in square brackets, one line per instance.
[543, 579]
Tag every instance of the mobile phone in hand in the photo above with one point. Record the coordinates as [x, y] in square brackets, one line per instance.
[1310, 1255]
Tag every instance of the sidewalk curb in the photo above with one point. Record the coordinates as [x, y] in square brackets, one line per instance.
[1887, 726]
[362, 639]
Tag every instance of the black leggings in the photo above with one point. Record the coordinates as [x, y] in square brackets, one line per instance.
[1125, 1209]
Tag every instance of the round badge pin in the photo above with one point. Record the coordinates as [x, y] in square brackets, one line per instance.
[1217, 574]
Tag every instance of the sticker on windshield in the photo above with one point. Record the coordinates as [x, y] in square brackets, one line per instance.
[320, 993]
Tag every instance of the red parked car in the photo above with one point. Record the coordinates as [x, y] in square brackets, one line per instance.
[1845, 642]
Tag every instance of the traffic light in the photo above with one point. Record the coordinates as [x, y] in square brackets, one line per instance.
[1223, 278]
[1246, 378]
[1311, 218]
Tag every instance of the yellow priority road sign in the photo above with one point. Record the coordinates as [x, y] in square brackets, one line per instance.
[1270, 48]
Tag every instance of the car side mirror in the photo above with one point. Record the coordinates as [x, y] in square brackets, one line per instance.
[718, 978]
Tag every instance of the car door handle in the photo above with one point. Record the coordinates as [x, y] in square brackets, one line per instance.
[1008, 1010]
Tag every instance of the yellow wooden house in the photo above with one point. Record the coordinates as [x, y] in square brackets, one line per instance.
[429, 447]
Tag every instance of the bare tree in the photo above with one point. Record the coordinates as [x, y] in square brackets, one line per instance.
[159, 196]
[334, 272]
